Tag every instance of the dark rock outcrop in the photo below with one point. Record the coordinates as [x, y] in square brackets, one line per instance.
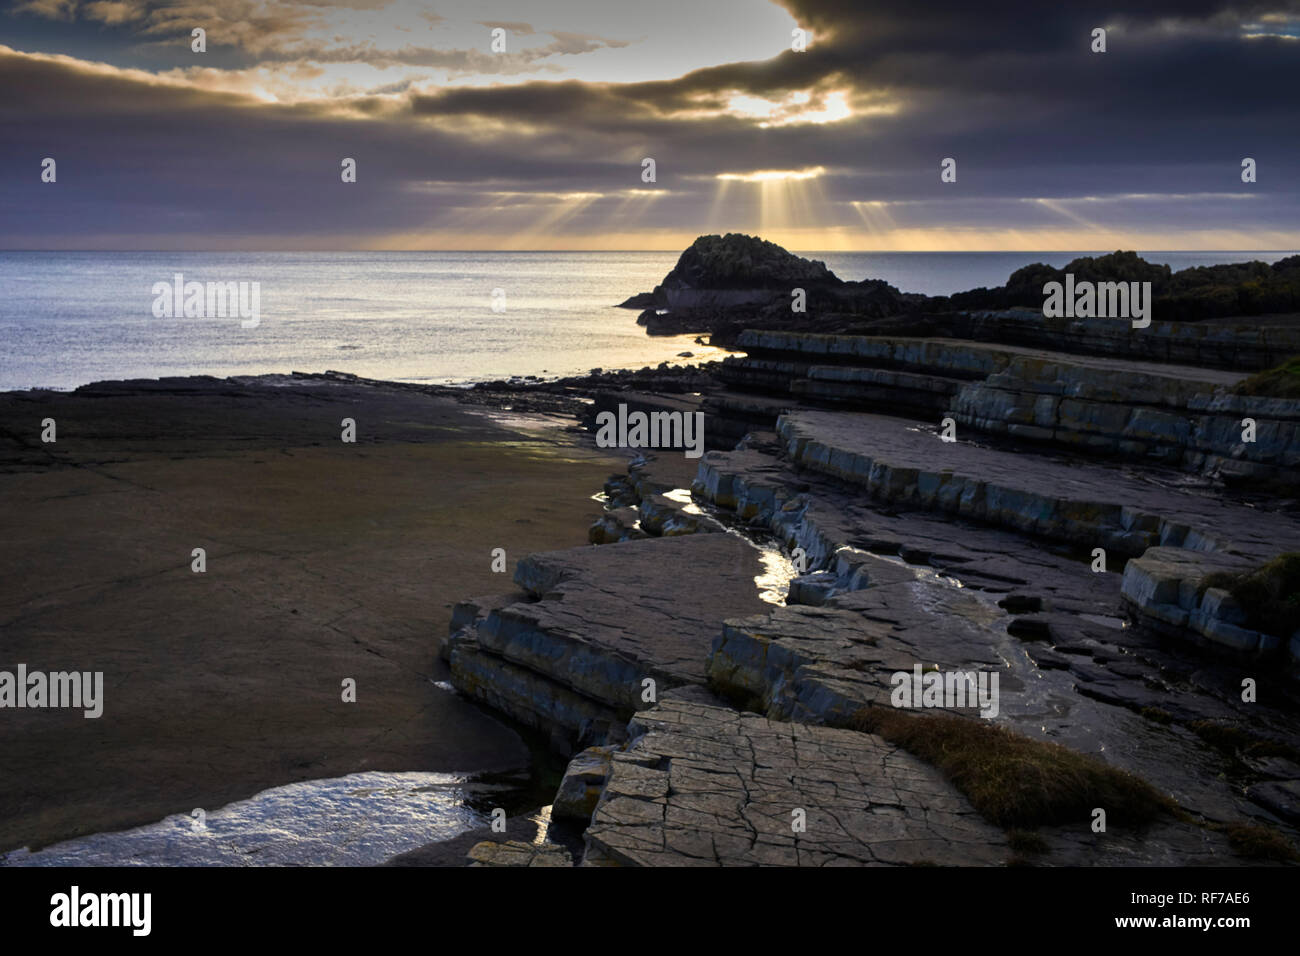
[725, 284]
[1189, 295]
[722, 284]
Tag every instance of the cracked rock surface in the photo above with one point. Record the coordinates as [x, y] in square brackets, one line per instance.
[516, 853]
[705, 785]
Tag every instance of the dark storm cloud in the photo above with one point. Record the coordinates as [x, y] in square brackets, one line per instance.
[1016, 96]
[1020, 93]
[1011, 90]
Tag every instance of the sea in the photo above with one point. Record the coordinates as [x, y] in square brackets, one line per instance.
[71, 318]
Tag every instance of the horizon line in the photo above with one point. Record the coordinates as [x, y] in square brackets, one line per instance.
[905, 252]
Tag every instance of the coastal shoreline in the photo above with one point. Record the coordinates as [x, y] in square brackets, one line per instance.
[324, 560]
[632, 657]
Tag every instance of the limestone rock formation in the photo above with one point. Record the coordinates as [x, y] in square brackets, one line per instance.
[705, 785]
[573, 658]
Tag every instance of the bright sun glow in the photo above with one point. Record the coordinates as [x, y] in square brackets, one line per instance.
[793, 109]
[773, 175]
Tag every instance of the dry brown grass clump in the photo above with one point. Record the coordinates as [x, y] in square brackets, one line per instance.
[1014, 781]
[1260, 843]
[1237, 743]
[1280, 382]
[1270, 594]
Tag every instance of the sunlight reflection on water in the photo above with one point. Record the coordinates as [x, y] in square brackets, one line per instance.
[357, 820]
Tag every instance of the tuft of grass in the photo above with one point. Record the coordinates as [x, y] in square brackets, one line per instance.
[1157, 715]
[1260, 843]
[1280, 382]
[1026, 841]
[1234, 742]
[1013, 781]
[1269, 595]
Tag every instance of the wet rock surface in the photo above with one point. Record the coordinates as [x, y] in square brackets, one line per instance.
[896, 587]
[825, 663]
[1071, 668]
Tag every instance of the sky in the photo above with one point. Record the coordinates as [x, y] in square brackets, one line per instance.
[526, 124]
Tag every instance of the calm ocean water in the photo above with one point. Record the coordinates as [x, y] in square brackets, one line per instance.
[75, 317]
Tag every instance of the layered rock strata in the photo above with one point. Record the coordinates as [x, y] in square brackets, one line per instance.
[1081, 503]
[574, 658]
[1182, 416]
